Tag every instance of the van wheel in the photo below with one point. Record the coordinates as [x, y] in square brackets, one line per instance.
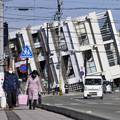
[101, 97]
[85, 97]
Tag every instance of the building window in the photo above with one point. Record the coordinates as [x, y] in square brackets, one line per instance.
[55, 36]
[111, 54]
[63, 44]
[89, 62]
[69, 70]
[41, 51]
[81, 33]
[91, 68]
[37, 52]
[35, 38]
[105, 28]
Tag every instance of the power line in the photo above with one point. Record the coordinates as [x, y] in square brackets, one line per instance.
[29, 8]
[48, 18]
[90, 1]
[36, 16]
[92, 8]
[67, 8]
[45, 18]
[17, 28]
[26, 17]
[19, 18]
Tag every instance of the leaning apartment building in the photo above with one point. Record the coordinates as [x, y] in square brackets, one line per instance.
[86, 45]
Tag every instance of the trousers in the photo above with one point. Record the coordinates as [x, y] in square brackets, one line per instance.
[11, 98]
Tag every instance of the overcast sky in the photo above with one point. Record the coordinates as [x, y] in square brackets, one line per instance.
[41, 11]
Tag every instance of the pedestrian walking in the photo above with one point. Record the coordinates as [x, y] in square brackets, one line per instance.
[57, 89]
[11, 86]
[33, 87]
[66, 88]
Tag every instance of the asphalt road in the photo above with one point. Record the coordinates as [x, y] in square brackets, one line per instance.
[109, 107]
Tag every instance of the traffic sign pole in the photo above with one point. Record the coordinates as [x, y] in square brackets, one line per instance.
[27, 67]
[26, 53]
[1, 42]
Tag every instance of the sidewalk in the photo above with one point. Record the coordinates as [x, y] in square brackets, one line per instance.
[23, 113]
[2, 115]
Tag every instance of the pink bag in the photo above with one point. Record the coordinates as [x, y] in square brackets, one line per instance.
[22, 99]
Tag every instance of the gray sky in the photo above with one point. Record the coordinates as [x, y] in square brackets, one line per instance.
[41, 11]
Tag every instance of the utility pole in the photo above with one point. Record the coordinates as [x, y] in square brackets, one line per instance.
[58, 18]
[48, 57]
[1, 42]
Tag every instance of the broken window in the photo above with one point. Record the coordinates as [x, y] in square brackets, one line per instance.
[111, 54]
[89, 63]
[63, 45]
[105, 28]
[81, 33]
[69, 69]
[35, 38]
[55, 36]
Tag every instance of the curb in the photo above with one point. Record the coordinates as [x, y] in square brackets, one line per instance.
[77, 115]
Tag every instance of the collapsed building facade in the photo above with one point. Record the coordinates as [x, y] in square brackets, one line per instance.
[88, 45]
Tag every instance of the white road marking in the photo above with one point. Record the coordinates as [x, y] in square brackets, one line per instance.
[92, 103]
[89, 111]
[116, 99]
[58, 104]
[47, 104]
[107, 103]
[74, 103]
[117, 111]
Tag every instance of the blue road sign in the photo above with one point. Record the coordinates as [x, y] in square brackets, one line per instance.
[26, 53]
[23, 68]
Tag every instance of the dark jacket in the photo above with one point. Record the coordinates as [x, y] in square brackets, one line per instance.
[11, 82]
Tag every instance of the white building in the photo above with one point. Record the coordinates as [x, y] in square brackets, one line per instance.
[89, 45]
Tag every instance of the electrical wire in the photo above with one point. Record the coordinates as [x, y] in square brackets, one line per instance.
[47, 18]
[22, 17]
[65, 8]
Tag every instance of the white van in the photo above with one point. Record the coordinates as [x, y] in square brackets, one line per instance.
[93, 86]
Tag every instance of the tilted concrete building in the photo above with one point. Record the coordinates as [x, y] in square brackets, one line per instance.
[89, 45]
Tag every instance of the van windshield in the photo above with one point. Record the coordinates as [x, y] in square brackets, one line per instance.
[93, 82]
